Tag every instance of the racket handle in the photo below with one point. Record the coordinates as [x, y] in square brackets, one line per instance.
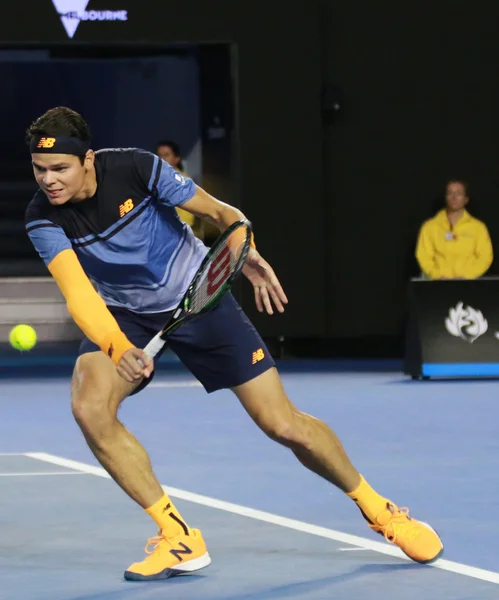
[154, 346]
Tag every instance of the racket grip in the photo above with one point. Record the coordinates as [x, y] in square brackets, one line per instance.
[154, 346]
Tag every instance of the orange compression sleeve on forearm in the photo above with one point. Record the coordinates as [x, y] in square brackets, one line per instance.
[87, 308]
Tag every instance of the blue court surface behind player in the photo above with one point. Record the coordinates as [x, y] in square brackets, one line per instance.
[273, 529]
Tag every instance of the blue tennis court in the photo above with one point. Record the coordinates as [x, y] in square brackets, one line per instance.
[273, 529]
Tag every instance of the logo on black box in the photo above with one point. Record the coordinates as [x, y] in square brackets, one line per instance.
[466, 322]
[72, 12]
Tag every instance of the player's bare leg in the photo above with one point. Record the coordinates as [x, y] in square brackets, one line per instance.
[317, 447]
[311, 440]
[97, 392]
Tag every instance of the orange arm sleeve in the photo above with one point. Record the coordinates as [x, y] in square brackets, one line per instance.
[87, 308]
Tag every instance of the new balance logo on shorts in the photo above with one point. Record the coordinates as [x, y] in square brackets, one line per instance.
[258, 356]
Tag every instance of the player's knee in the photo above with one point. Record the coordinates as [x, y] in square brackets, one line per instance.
[286, 431]
[91, 400]
[92, 415]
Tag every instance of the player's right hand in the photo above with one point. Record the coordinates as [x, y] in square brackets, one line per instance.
[134, 365]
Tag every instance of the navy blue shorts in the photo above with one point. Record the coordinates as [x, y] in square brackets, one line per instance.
[221, 348]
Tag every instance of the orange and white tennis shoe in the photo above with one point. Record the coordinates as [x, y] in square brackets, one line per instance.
[170, 557]
[418, 540]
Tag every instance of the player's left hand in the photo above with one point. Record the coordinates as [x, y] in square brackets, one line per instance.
[267, 288]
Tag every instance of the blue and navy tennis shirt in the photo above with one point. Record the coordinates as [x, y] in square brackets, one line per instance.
[128, 236]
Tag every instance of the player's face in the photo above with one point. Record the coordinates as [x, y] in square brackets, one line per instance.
[167, 154]
[61, 176]
[456, 196]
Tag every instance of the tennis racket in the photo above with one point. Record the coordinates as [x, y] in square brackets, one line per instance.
[214, 278]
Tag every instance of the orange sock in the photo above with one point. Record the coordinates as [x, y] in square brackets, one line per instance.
[167, 518]
[369, 501]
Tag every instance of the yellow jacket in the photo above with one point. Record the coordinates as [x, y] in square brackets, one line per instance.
[463, 251]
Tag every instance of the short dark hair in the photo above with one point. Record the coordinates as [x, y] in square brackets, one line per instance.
[175, 149]
[463, 183]
[171, 144]
[61, 121]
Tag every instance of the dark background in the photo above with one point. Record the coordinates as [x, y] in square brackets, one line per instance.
[336, 198]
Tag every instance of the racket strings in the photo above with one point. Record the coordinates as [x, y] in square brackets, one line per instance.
[218, 271]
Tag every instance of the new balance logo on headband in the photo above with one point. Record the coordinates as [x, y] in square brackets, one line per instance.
[60, 145]
[46, 142]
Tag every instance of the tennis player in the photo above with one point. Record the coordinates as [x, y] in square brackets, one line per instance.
[106, 226]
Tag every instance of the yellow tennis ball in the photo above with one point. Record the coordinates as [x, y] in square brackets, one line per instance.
[22, 337]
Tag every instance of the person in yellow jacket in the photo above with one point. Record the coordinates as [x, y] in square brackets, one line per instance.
[453, 244]
[169, 151]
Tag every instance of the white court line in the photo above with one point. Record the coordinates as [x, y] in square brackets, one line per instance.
[40, 473]
[174, 384]
[331, 534]
[12, 454]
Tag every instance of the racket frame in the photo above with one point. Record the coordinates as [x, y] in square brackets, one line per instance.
[182, 314]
